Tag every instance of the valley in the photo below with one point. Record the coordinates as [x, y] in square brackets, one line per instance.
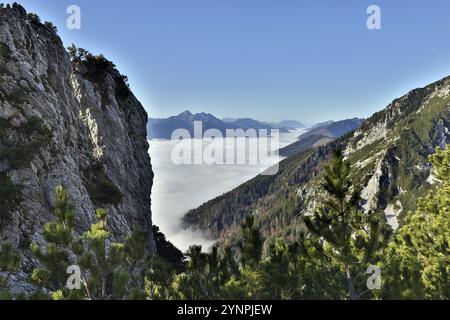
[101, 200]
[179, 188]
[389, 157]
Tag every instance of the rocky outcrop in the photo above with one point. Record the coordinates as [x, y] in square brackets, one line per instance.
[72, 124]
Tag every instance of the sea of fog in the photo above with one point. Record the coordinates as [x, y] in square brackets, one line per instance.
[179, 188]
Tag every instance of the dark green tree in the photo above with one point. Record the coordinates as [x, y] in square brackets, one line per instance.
[168, 251]
[158, 280]
[418, 259]
[345, 237]
[108, 270]
[247, 282]
[278, 273]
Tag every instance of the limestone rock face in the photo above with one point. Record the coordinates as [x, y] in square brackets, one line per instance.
[72, 124]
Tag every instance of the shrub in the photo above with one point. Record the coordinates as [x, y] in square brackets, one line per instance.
[83, 55]
[10, 196]
[30, 137]
[50, 26]
[32, 17]
[5, 51]
[122, 87]
[100, 188]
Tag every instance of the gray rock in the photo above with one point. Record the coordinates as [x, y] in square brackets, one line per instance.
[97, 127]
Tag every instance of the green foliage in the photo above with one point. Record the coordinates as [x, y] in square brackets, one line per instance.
[5, 51]
[51, 26]
[346, 237]
[18, 146]
[167, 251]
[61, 244]
[76, 54]
[83, 55]
[108, 269]
[97, 65]
[277, 271]
[100, 188]
[10, 196]
[327, 261]
[34, 18]
[251, 243]
[122, 88]
[158, 280]
[418, 259]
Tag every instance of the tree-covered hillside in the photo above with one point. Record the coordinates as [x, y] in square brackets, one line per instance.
[389, 155]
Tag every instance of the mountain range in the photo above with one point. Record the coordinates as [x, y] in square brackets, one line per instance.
[389, 157]
[320, 135]
[163, 128]
[76, 182]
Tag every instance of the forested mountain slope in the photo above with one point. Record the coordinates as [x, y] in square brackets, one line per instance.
[320, 135]
[389, 156]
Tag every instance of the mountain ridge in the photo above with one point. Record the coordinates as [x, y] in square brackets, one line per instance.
[162, 128]
[389, 156]
[321, 134]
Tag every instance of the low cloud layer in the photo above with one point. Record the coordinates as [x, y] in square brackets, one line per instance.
[179, 188]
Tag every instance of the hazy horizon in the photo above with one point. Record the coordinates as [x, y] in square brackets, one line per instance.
[310, 62]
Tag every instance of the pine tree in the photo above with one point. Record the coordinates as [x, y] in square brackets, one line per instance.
[63, 249]
[108, 270]
[419, 258]
[197, 282]
[250, 246]
[277, 272]
[158, 280]
[345, 237]
[248, 282]
[167, 251]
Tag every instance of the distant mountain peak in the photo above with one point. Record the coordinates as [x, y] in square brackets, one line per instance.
[186, 113]
[163, 128]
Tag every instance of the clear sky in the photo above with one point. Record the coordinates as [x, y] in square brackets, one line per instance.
[271, 60]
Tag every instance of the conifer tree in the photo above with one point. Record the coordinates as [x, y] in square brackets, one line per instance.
[106, 267]
[63, 249]
[158, 280]
[251, 244]
[418, 259]
[202, 269]
[248, 282]
[348, 239]
[195, 283]
[277, 271]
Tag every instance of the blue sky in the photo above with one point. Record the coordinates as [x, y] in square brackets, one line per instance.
[271, 60]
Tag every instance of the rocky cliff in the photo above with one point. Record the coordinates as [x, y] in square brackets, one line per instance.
[74, 124]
